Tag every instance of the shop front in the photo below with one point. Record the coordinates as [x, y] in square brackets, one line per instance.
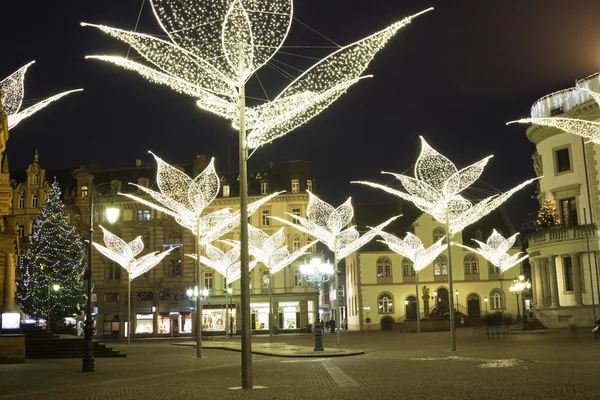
[260, 315]
[289, 314]
[213, 317]
[144, 324]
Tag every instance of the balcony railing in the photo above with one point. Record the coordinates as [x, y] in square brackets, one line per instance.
[562, 234]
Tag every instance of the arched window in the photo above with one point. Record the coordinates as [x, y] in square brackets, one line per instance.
[471, 264]
[493, 269]
[496, 300]
[384, 267]
[438, 233]
[84, 191]
[36, 179]
[21, 202]
[385, 303]
[407, 268]
[296, 243]
[309, 241]
[440, 265]
[34, 201]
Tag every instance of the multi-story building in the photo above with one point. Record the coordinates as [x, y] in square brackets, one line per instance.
[565, 259]
[159, 302]
[381, 288]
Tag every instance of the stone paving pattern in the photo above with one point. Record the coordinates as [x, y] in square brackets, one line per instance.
[499, 364]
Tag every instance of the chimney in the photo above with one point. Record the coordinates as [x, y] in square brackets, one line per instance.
[199, 164]
[138, 162]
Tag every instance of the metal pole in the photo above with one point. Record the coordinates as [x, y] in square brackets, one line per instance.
[128, 305]
[417, 297]
[337, 294]
[226, 308]
[450, 288]
[88, 361]
[318, 326]
[245, 273]
[587, 241]
[503, 297]
[199, 297]
[271, 327]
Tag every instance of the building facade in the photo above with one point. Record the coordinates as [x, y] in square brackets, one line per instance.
[381, 285]
[565, 259]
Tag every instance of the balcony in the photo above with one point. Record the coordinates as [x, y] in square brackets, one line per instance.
[562, 234]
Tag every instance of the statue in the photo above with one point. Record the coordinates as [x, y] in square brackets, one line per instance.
[425, 292]
[425, 298]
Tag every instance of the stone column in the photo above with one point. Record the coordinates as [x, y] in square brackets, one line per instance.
[555, 302]
[544, 280]
[576, 267]
[538, 285]
[8, 293]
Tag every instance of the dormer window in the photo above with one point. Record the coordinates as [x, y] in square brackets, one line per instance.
[309, 185]
[295, 185]
[264, 188]
[84, 191]
[226, 192]
[36, 179]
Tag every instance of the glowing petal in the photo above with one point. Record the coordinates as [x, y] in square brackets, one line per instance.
[136, 246]
[146, 263]
[364, 239]
[464, 178]
[13, 89]
[14, 119]
[116, 244]
[587, 129]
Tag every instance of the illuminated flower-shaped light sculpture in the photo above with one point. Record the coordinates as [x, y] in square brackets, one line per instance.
[271, 252]
[185, 199]
[412, 248]
[327, 224]
[587, 129]
[436, 189]
[124, 254]
[495, 250]
[216, 46]
[12, 90]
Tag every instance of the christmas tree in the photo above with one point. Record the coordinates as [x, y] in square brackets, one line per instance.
[51, 285]
[547, 216]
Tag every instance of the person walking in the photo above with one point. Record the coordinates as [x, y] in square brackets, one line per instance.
[332, 325]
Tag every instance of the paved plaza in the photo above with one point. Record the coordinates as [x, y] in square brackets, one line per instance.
[549, 364]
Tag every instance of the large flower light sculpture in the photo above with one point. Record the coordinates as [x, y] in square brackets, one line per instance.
[436, 189]
[12, 89]
[587, 129]
[412, 248]
[327, 224]
[271, 252]
[124, 254]
[185, 199]
[495, 250]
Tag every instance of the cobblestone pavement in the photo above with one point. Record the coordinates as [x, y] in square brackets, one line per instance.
[550, 365]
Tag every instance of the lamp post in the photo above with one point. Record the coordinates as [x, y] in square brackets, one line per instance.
[199, 296]
[228, 291]
[316, 274]
[456, 293]
[112, 213]
[485, 300]
[519, 286]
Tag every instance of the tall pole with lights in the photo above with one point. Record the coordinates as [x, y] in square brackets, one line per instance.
[316, 274]
[112, 214]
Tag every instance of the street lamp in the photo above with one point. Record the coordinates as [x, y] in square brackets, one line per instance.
[112, 214]
[199, 296]
[456, 301]
[485, 300]
[228, 292]
[519, 287]
[316, 274]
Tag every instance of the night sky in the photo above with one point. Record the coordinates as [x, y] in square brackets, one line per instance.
[455, 75]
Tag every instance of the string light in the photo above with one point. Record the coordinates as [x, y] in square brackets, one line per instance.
[326, 223]
[185, 199]
[566, 99]
[412, 248]
[437, 185]
[586, 129]
[12, 89]
[216, 46]
[495, 250]
[124, 254]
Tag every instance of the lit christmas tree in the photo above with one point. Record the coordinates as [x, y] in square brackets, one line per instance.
[51, 283]
[547, 216]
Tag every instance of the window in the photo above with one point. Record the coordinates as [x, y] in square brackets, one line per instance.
[146, 275]
[440, 265]
[113, 271]
[296, 212]
[266, 278]
[111, 297]
[568, 271]
[407, 268]
[295, 186]
[496, 300]
[562, 160]
[36, 179]
[208, 280]
[21, 230]
[175, 268]
[84, 191]
[492, 269]
[556, 111]
[145, 296]
[297, 278]
[34, 201]
[226, 192]
[309, 185]
[264, 217]
[385, 303]
[471, 264]
[164, 295]
[438, 233]
[568, 212]
[309, 241]
[143, 215]
[384, 267]
[295, 243]
[21, 202]
[264, 188]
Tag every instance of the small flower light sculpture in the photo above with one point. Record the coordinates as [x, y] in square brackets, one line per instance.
[124, 254]
[271, 252]
[587, 129]
[495, 250]
[12, 90]
[327, 224]
[436, 189]
[412, 248]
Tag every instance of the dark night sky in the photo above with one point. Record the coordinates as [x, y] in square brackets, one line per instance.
[455, 76]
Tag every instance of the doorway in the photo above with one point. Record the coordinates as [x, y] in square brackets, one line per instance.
[442, 301]
[473, 306]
